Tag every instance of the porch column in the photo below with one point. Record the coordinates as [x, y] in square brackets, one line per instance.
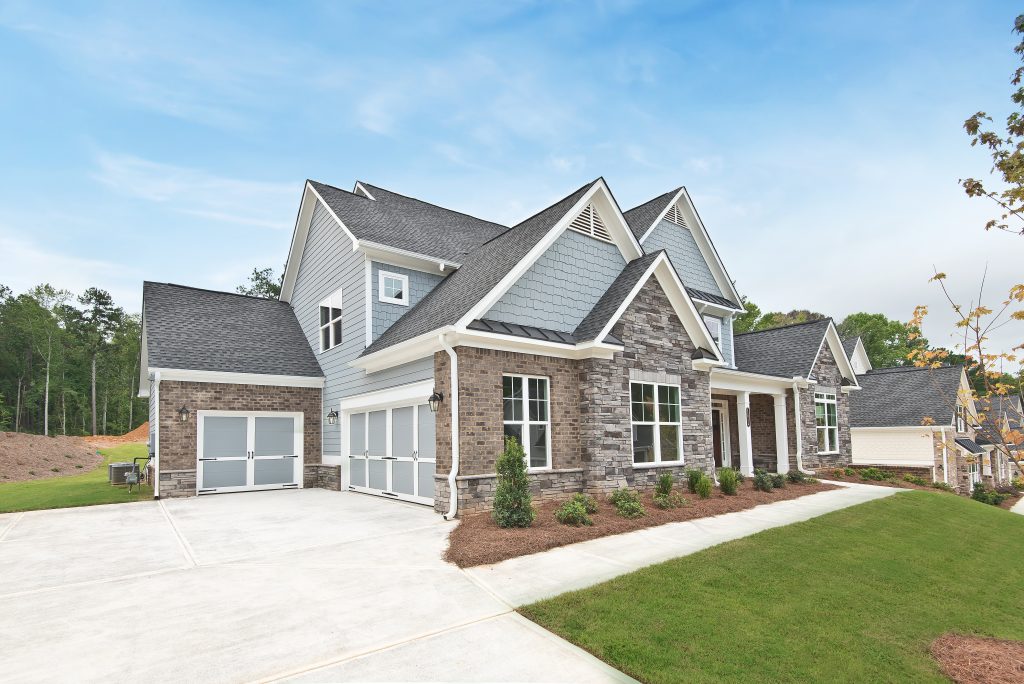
[743, 418]
[781, 434]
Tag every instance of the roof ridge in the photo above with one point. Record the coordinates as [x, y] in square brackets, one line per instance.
[902, 369]
[781, 327]
[206, 289]
[335, 187]
[431, 204]
[537, 213]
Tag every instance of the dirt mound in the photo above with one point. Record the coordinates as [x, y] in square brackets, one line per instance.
[979, 660]
[138, 435]
[34, 457]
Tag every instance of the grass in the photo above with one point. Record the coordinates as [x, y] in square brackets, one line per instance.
[855, 595]
[85, 489]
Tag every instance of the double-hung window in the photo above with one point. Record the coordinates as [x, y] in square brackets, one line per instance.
[657, 428]
[526, 407]
[961, 418]
[330, 322]
[394, 288]
[827, 421]
[714, 324]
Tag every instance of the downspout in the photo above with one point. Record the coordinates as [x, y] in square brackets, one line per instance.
[453, 471]
[155, 396]
[945, 456]
[796, 427]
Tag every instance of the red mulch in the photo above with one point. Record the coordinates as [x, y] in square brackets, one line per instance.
[479, 541]
[34, 457]
[139, 434]
[979, 660]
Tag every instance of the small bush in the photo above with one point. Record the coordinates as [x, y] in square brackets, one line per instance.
[664, 486]
[573, 512]
[627, 503]
[740, 477]
[78, 465]
[796, 477]
[692, 478]
[914, 479]
[512, 501]
[1017, 483]
[874, 474]
[704, 485]
[727, 481]
[943, 486]
[588, 502]
[988, 496]
[811, 480]
[850, 472]
[778, 480]
[670, 500]
[763, 481]
[838, 473]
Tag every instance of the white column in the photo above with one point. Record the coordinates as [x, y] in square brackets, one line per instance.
[743, 417]
[781, 434]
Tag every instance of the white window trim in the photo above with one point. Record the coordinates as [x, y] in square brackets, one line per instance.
[961, 418]
[827, 398]
[332, 302]
[381, 276]
[525, 423]
[718, 320]
[657, 423]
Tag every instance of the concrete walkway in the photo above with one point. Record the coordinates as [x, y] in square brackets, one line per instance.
[591, 562]
[1018, 507]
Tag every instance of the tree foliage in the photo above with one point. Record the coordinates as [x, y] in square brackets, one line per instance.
[262, 283]
[886, 341]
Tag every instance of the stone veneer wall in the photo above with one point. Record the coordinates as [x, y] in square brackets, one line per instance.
[826, 372]
[591, 432]
[178, 441]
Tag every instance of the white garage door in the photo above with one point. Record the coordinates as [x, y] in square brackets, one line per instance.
[243, 451]
[391, 453]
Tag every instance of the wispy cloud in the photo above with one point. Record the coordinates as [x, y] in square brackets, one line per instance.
[199, 193]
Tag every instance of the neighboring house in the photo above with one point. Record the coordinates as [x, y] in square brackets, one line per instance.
[858, 355]
[1001, 425]
[601, 339]
[917, 421]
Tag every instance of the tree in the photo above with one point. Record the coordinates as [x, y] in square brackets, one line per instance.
[887, 342]
[99, 319]
[263, 283]
[46, 332]
[777, 319]
[512, 500]
[747, 321]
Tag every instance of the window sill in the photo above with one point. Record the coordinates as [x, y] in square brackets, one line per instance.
[659, 464]
[399, 302]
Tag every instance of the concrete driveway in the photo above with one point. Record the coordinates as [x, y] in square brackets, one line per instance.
[309, 584]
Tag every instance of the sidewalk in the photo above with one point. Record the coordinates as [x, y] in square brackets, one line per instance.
[582, 565]
[1018, 507]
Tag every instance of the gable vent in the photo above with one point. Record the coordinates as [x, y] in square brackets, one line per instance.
[589, 222]
[675, 216]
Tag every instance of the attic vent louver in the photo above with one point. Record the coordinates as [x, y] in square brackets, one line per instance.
[675, 216]
[589, 222]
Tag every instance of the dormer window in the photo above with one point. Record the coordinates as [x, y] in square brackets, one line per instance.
[330, 322]
[675, 216]
[715, 328]
[589, 222]
[394, 288]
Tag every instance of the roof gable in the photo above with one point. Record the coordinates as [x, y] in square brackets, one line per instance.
[906, 396]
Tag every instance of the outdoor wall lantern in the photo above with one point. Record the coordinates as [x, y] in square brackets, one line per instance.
[332, 417]
[183, 414]
[435, 400]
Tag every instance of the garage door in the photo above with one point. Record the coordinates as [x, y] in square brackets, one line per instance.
[245, 451]
[391, 453]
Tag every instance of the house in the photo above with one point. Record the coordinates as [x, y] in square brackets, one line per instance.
[1001, 434]
[917, 421]
[858, 355]
[410, 339]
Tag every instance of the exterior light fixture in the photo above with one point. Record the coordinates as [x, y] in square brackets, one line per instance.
[183, 414]
[435, 400]
[332, 417]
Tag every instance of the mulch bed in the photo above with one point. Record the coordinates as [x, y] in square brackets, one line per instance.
[479, 541]
[979, 660]
[34, 457]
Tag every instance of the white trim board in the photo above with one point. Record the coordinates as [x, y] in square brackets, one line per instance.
[184, 375]
[400, 396]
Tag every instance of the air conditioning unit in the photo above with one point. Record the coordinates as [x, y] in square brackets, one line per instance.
[117, 471]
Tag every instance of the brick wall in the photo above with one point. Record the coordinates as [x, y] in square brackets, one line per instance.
[178, 441]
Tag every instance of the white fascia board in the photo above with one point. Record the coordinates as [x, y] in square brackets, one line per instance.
[416, 348]
[291, 270]
[403, 257]
[728, 379]
[622, 237]
[186, 375]
[896, 428]
[835, 344]
[403, 395]
[712, 307]
[362, 188]
[862, 352]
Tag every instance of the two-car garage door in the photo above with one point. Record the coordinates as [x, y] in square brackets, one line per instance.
[391, 452]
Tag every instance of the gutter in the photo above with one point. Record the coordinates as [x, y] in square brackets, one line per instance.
[453, 471]
[797, 426]
[155, 396]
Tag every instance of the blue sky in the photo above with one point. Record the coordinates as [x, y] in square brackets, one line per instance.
[821, 142]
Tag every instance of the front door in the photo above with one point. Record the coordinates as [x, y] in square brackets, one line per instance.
[244, 451]
[391, 453]
[716, 435]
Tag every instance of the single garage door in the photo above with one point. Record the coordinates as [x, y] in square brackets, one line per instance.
[242, 451]
[391, 453]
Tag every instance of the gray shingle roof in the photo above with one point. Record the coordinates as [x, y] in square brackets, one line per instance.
[406, 223]
[784, 352]
[192, 329]
[712, 298]
[481, 271]
[905, 396]
[609, 303]
[970, 445]
[849, 344]
[641, 217]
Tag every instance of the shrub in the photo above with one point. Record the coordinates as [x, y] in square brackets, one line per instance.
[740, 477]
[796, 477]
[692, 478]
[573, 512]
[988, 496]
[512, 500]
[588, 502]
[664, 486]
[727, 481]
[778, 480]
[627, 503]
[943, 486]
[704, 486]
[670, 500]
[850, 472]
[1017, 482]
[874, 474]
[763, 481]
[811, 480]
[914, 479]
[838, 473]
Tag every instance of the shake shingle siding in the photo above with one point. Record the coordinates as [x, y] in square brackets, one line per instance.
[564, 284]
[686, 256]
[328, 263]
[384, 313]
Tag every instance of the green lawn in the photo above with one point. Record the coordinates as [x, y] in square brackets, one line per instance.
[855, 595]
[85, 489]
